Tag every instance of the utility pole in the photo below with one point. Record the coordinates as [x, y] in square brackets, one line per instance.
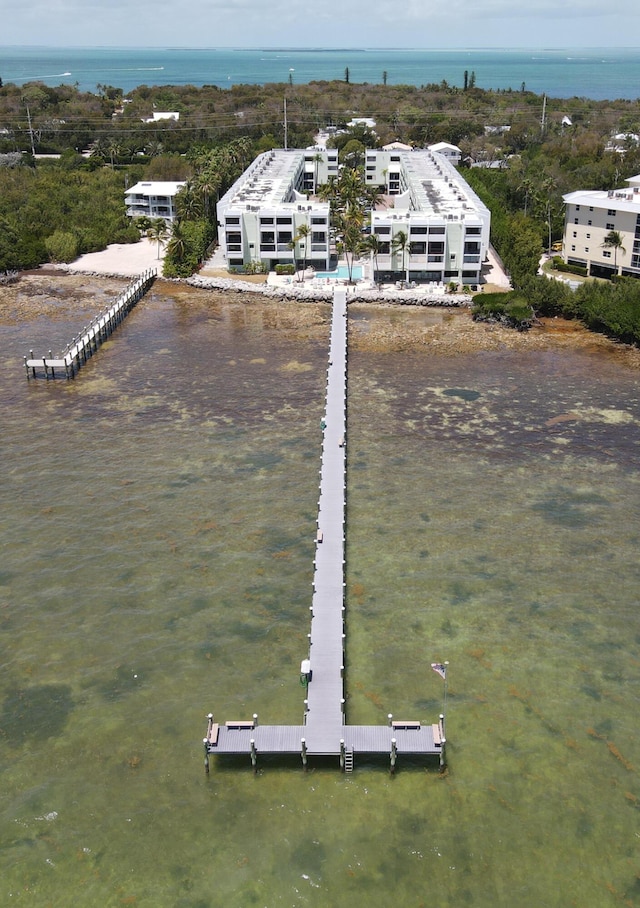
[544, 112]
[33, 150]
[285, 124]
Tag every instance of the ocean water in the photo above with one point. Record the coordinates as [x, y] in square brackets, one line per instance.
[156, 526]
[598, 73]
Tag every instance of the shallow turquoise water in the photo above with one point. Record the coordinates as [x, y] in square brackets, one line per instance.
[157, 535]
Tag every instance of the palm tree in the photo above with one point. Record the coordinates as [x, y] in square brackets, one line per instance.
[115, 149]
[613, 240]
[371, 244]
[317, 159]
[349, 225]
[158, 232]
[302, 235]
[189, 202]
[177, 245]
[400, 243]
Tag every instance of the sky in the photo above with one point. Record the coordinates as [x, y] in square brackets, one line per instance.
[330, 23]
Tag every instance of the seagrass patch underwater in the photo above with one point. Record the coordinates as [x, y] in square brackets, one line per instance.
[157, 529]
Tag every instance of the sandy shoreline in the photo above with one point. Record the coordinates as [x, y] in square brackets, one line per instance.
[54, 294]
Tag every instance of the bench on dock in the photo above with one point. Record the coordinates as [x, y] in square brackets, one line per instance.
[319, 536]
[212, 735]
[403, 724]
[240, 724]
[437, 735]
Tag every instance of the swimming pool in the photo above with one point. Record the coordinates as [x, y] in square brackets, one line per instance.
[342, 273]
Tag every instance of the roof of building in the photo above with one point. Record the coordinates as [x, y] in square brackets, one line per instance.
[150, 187]
[436, 188]
[163, 115]
[270, 183]
[444, 146]
[615, 199]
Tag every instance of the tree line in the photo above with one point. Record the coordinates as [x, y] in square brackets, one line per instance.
[57, 210]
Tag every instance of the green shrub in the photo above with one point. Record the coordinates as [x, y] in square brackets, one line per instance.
[560, 265]
[62, 246]
[510, 309]
[285, 269]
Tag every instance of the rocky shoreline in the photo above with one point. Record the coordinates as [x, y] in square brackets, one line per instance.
[379, 323]
[308, 293]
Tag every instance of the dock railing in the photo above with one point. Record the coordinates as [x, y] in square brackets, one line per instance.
[86, 343]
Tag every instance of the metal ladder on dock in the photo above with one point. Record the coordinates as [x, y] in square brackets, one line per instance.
[348, 760]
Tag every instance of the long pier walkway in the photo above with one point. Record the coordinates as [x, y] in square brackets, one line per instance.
[96, 332]
[324, 731]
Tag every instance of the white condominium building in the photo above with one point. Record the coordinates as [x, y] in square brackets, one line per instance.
[590, 216]
[259, 217]
[445, 223]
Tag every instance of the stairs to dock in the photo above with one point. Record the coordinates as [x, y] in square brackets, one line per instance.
[348, 760]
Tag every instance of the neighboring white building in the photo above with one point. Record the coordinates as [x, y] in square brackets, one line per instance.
[152, 200]
[590, 216]
[163, 115]
[450, 152]
[264, 209]
[397, 146]
[446, 224]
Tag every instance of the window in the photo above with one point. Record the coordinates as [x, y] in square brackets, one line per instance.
[283, 220]
[573, 248]
[588, 236]
[284, 236]
[611, 213]
[575, 234]
[436, 248]
[591, 208]
[417, 248]
[394, 157]
[267, 236]
[474, 231]
[586, 248]
[575, 220]
[589, 223]
[266, 220]
[433, 230]
[611, 226]
[383, 230]
[322, 221]
[415, 231]
[232, 220]
[606, 254]
[318, 236]
[577, 208]
[234, 237]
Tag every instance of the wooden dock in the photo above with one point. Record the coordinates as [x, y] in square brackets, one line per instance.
[82, 347]
[324, 731]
